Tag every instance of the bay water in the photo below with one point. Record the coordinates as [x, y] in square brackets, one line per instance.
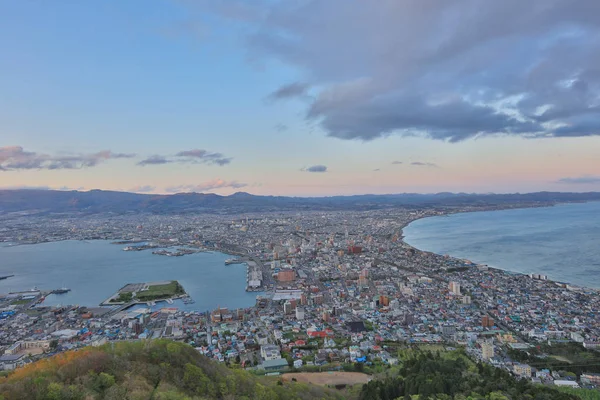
[95, 270]
[562, 242]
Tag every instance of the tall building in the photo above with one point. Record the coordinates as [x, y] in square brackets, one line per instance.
[487, 350]
[454, 287]
[287, 307]
[384, 301]
[303, 299]
[299, 313]
[287, 275]
[487, 322]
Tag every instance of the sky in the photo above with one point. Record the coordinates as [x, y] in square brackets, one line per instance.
[299, 97]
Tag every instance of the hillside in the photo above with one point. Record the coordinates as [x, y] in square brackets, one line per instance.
[166, 370]
[100, 201]
[159, 370]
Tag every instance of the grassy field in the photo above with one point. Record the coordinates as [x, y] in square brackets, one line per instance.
[329, 378]
[21, 302]
[161, 291]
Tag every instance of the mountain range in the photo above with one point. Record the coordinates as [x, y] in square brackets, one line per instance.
[101, 201]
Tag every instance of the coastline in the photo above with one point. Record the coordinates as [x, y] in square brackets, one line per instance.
[494, 268]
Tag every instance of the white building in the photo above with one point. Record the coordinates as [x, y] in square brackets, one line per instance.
[270, 352]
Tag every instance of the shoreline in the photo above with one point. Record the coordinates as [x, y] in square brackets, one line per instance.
[494, 268]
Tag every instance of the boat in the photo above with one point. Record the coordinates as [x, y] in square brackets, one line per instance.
[62, 290]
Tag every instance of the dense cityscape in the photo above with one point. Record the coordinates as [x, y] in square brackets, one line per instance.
[334, 289]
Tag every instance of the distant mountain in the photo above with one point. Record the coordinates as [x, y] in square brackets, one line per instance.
[101, 201]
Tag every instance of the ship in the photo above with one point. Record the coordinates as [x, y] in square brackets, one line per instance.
[62, 290]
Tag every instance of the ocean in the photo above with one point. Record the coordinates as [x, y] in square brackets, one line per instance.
[562, 242]
[95, 270]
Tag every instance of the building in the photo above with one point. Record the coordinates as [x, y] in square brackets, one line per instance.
[299, 313]
[591, 345]
[384, 301]
[318, 299]
[270, 352]
[522, 370]
[466, 299]
[274, 365]
[354, 249]
[29, 346]
[589, 378]
[11, 361]
[326, 316]
[454, 288]
[487, 350]
[487, 322]
[363, 281]
[287, 275]
[287, 307]
[571, 384]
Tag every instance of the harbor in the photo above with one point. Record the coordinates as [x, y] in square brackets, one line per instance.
[254, 273]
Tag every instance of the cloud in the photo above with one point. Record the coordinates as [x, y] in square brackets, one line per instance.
[424, 164]
[414, 67]
[142, 189]
[281, 127]
[154, 160]
[289, 91]
[25, 187]
[42, 187]
[315, 168]
[14, 158]
[376, 170]
[585, 180]
[397, 162]
[206, 186]
[194, 156]
[203, 157]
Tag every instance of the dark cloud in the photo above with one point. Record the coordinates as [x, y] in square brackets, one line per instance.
[203, 157]
[586, 180]
[154, 160]
[206, 186]
[292, 90]
[281, 127]
[16, 158]
[315, 168]
[424, 164]
[377, 170]
[194, 156]
[397, 162]
[445, 70]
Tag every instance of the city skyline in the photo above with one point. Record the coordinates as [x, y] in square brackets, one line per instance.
[300, 98]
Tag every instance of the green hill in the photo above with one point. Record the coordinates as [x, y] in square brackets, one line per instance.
[166, 370]
[159, 370]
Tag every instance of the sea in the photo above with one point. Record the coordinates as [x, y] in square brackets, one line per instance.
[95, 270]
[562, 242]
